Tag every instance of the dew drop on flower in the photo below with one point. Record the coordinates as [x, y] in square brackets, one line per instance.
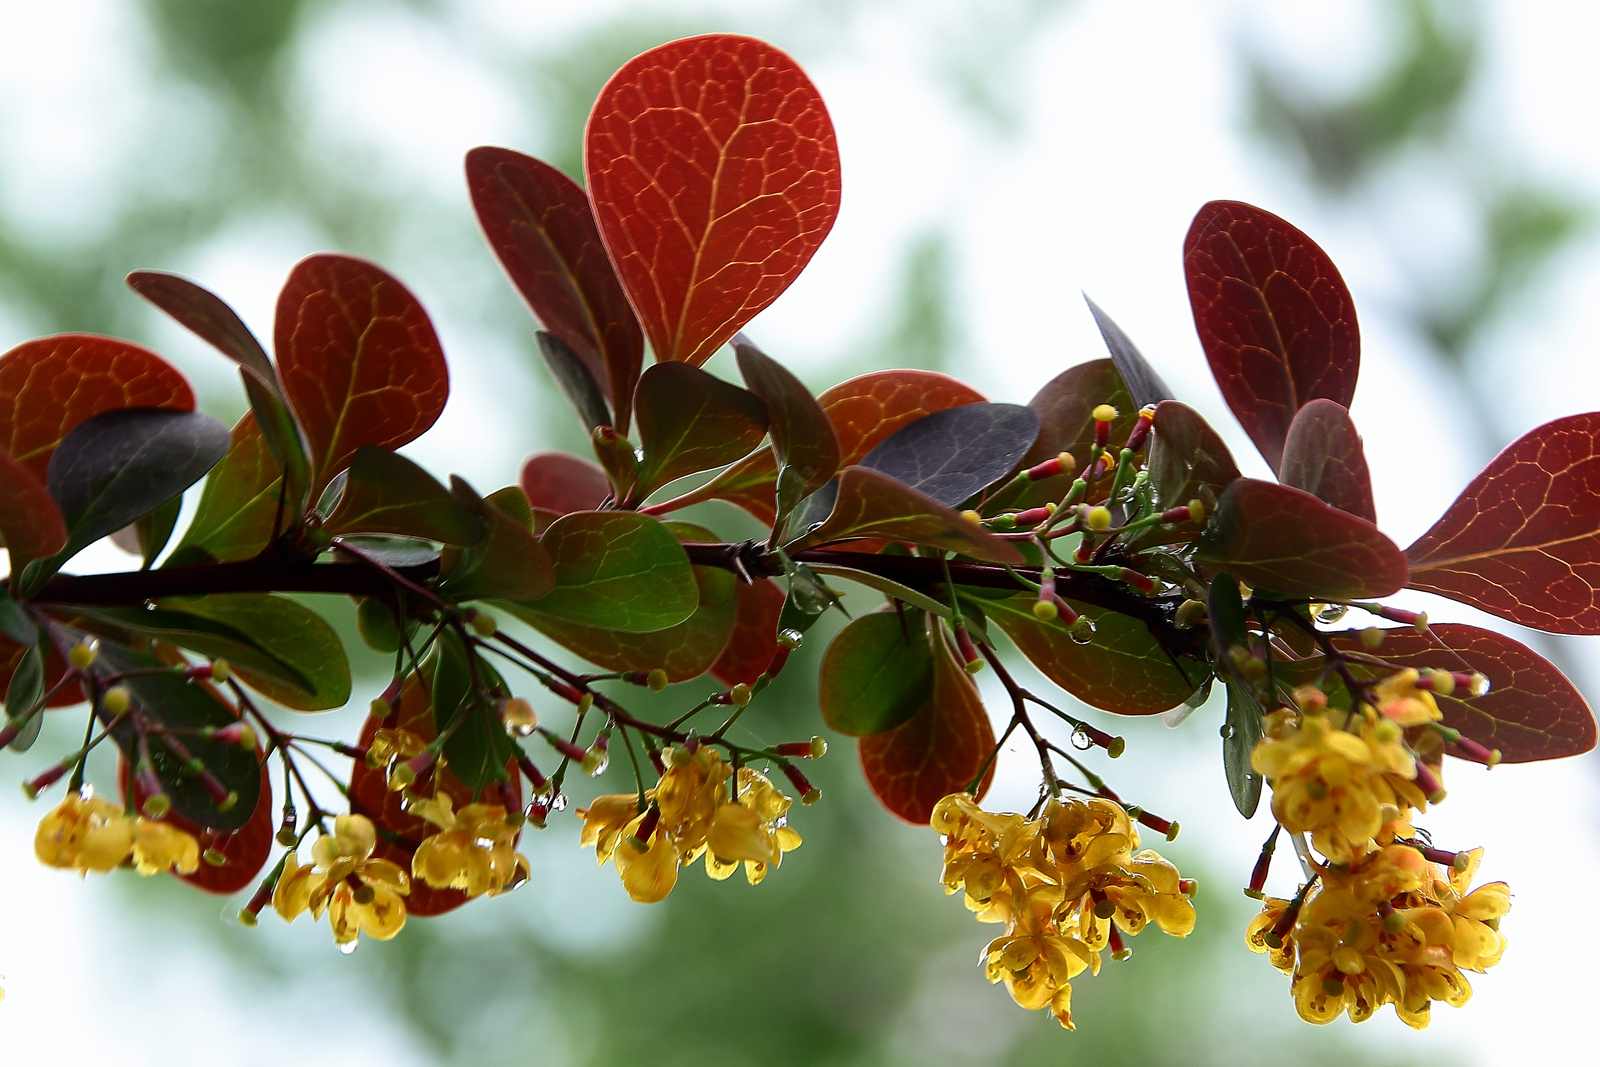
[1331, 613]
[348, 947]
[1080, 739]
[558, 802]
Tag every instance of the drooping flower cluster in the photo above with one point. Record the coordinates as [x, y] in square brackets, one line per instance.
[360, 894]
[471, 849]
[1066, 885]
[1378, 923]
[89, 833]
[1391, 928]
[691, 812]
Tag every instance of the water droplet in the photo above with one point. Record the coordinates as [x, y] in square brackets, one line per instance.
[1082, 630]
[558, 802]
[1331, 613]
[1080, 739]
[348, 947]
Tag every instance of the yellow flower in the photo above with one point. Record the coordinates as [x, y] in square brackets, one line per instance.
[1063, 883]
[471, 850]
[359, 893]
[1389, 929]
[89, 833]
[752, 830]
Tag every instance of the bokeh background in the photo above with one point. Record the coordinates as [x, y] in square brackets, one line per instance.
[999, 158]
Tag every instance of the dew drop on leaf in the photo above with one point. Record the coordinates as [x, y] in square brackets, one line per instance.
[1331, 613]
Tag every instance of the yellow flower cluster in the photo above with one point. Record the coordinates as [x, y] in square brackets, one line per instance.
[689, 814]
[1345, 778]
[1063, 883]
[89, 833]
[1391, 928]
[359, 893]
[471, 849]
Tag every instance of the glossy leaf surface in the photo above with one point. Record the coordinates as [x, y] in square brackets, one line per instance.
[951, 455]
[185, 708]
[1323, 456]
[540, 225]
[1274, 317]
[1531, 712]
[239, 503]
[31, 526]
[876, 673]
[508, 562]
[618, 570]
[291, 633]
[388, 493]
[936, 752]
[1123, 669]
[714, 175]
[1144, 385]
[871, 504]
[1286, 540]
[1240, 733]
[50, 385]
[1064, 405]
[804, 444]
[557, 483]
[1523, 539]
[217, 639]
[754, 640]
[120, 465]
[690, 421]
[359, 360]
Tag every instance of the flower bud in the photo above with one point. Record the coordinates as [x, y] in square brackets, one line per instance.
[483, 624]
[1097, 518]
[656, 680]
[116, 700]
[739, 696]
[221, 671]
[82, 654]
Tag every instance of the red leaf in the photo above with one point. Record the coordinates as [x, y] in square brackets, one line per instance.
[714, 174]
[538, 221]
[49, 385]
[31, 525]
[1523, 539]
[1323, 456]
[359, 359]
[1531, 712]
[936, 752]
[1274, 317]
[1065, 405]
[558, 484]
[1286, 540]
[754, 640]
[244, 851]
[1187, 457]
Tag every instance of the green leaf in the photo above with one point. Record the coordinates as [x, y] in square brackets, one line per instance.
[1240, 734]
[1122, 669]
[376, 623]
[184, 708]
[576, 382]
[617, 570]
[15, 623]
[290, 633]
[120, 465]
[508, 564]
[876, 674]
[387, 493]
[238, 504]
[1225, 613]
[23, 694]
[690, 421]
[1288, 541]
[950, 455]
[803, 440]
[871, 504]
[477, 748]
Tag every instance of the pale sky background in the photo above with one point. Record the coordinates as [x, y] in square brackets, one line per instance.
[1131, 120]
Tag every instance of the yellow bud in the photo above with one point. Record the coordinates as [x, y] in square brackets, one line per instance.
[116, 700]
[483, 624]
[972, 516]
[156, 805]
[221, 670]
[1422, 623]
[1197, 510]
[739, 696]
[1097, 518]
[1068, 466]
[1386, 732]
[401, 777]
[819, 748]
[1444, 683]
[677, 756]
[974, 666]
[82, 655]
[1045, 610]
[214, 857]
[811, 796]
[657, 680]
[1371, 638]
[1104, 413]
[1172, 832]
[248, 917]
[380, 708]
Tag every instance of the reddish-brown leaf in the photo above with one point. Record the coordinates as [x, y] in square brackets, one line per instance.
[754, 640]
[936, 752]
[1188, 459]
[714, 174]
[1523, 539]
[31, 526]
[538, 221]
[1323, 456]
[1275, 319]
[244, 851]
[49, 385]
[1531, 712]
[359, 360]
[1064, 406]
[54, 667]
[558, 483]
[871, 504]
[1286, 540]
